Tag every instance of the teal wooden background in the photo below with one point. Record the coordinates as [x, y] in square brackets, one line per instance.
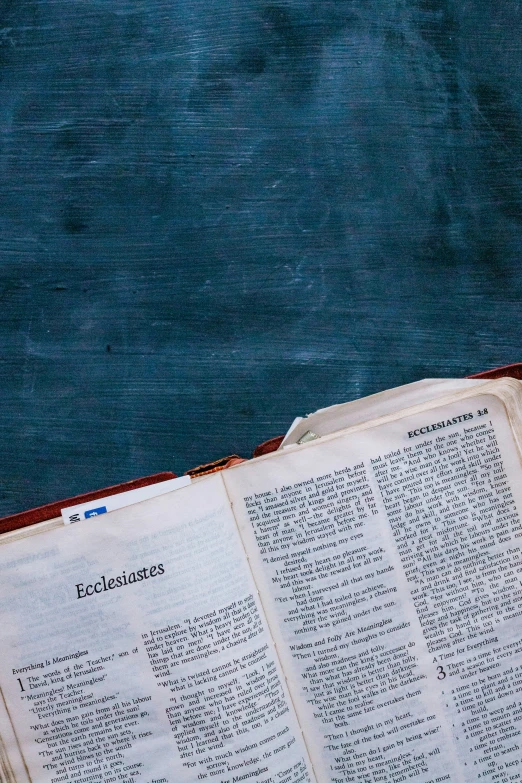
[215, 216]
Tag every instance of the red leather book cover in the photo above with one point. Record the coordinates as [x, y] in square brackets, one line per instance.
[508, 371]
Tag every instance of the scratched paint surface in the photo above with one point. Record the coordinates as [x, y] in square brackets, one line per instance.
[218, 215]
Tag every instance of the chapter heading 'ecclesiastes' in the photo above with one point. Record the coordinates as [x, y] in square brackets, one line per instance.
[440, 425]
[118, 581]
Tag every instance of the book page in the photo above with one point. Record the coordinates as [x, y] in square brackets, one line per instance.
[134, 650]
[347, 414]
[390, 566]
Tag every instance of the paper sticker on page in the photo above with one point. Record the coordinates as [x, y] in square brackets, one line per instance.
[95, 508]
[134, 650]
[390, 566]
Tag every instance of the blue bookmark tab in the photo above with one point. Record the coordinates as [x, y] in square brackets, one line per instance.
[95, 512]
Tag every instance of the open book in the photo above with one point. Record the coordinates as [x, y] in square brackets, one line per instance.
[348, 608]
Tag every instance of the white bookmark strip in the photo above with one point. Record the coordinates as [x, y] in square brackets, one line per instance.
[103, 505]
